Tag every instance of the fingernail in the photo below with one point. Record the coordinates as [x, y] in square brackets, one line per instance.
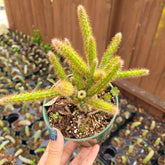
[53, 134]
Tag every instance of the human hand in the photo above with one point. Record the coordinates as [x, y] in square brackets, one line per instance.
[57, 154]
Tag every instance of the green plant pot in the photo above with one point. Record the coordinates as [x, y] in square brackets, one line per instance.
[96, 139]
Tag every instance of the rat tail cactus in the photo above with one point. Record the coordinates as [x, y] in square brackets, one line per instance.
[88, 78]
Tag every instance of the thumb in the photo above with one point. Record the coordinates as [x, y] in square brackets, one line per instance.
[55, 147]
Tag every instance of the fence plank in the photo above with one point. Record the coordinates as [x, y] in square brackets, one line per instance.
[160, 90]
[38, 15]
[132, 18]
[101, 24]
[27, 17]
[10, 15]
[155, 61]
[144, 42]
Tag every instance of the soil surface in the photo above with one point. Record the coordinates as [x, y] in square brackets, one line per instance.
[34, 145]
[37, 127]
[74, 123]
[44, 136]
[25, 137]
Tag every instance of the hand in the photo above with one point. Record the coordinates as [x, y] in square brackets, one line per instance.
[57, 154]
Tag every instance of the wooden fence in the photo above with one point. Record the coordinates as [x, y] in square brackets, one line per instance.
[140, 21]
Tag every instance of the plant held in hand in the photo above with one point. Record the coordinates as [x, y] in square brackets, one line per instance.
[88, 80]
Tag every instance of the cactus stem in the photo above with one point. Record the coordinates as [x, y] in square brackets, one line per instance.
[27, 132]
[135, 124]
[26, 160]
[37, 135]
[3, 161]
[10, 138]
[148, 157]
[18, 152]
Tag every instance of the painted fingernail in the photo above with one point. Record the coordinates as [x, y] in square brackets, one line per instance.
[53, 134]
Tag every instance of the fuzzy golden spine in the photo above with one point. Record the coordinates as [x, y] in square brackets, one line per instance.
[132, 73]
[57, 66]
[111, 50]
[102, 105]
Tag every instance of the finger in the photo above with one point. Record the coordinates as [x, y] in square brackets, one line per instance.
[44, 157]
[92, 155]
[55, 147]
[68, 150]
[81, 155]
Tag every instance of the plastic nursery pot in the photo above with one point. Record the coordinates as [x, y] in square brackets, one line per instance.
[3, 151]
[126, 114]
[38, 125]
[95, 139]
[144, 160]
[139, 118]
[157, 144]
[138, 142]
[130, 151]
[161, 134]
[26, 133]
[151, 125]
[132, 109]
[12, 117]
[13, 141]
[19, 125]
[3, 123]
[29, 159]
[121, 160]
[133, 126]
[161, 160]
[39, 152]
[22, 150]
[98, 162]
[107, 154]
[8, 160]
[147, 149]
[123, 103]
[7, 131]
[45, 134]
[119, 120]
[35, 142]
[125, 134]
[117, 142]
[145, 134]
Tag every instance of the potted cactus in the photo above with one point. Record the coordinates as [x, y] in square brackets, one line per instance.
[78, 100]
